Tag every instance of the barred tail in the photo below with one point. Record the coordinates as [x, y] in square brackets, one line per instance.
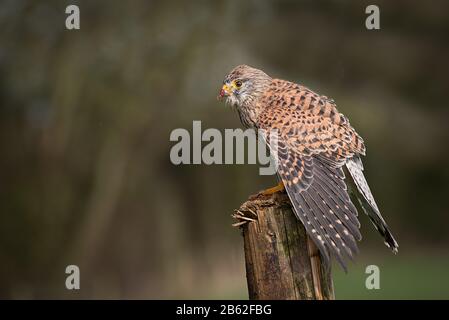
[355, 168]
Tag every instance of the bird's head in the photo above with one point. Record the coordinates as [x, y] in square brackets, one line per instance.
[244, 85]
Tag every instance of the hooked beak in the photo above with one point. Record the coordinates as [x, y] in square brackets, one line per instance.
[225, 91]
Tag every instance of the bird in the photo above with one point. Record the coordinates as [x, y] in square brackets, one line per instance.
[316, 148]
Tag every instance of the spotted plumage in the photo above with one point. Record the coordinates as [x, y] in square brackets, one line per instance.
[315, 143]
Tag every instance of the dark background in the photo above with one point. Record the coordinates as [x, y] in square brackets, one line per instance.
[85, 119]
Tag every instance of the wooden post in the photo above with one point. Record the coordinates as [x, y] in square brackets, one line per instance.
[279, 255]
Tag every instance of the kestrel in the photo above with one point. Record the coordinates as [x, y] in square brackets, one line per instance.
[315, 143]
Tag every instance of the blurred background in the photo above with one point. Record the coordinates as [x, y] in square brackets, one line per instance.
[86, 115]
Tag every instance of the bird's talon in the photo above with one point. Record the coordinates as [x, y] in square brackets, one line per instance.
[238, 224]
[270, 191]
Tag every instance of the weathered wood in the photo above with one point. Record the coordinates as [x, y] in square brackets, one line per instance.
[278, 253]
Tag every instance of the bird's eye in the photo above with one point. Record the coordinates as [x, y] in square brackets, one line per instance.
[238, 83]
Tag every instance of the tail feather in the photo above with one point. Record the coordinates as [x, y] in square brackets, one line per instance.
[367, 202]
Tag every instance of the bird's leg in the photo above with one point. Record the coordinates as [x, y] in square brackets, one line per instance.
[270, 191]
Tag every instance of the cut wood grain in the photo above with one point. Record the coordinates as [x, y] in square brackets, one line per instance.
[279, 255]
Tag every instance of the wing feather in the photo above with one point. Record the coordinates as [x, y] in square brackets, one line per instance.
[324, 211]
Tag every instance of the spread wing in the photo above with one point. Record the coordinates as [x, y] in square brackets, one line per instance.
[320, 200]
